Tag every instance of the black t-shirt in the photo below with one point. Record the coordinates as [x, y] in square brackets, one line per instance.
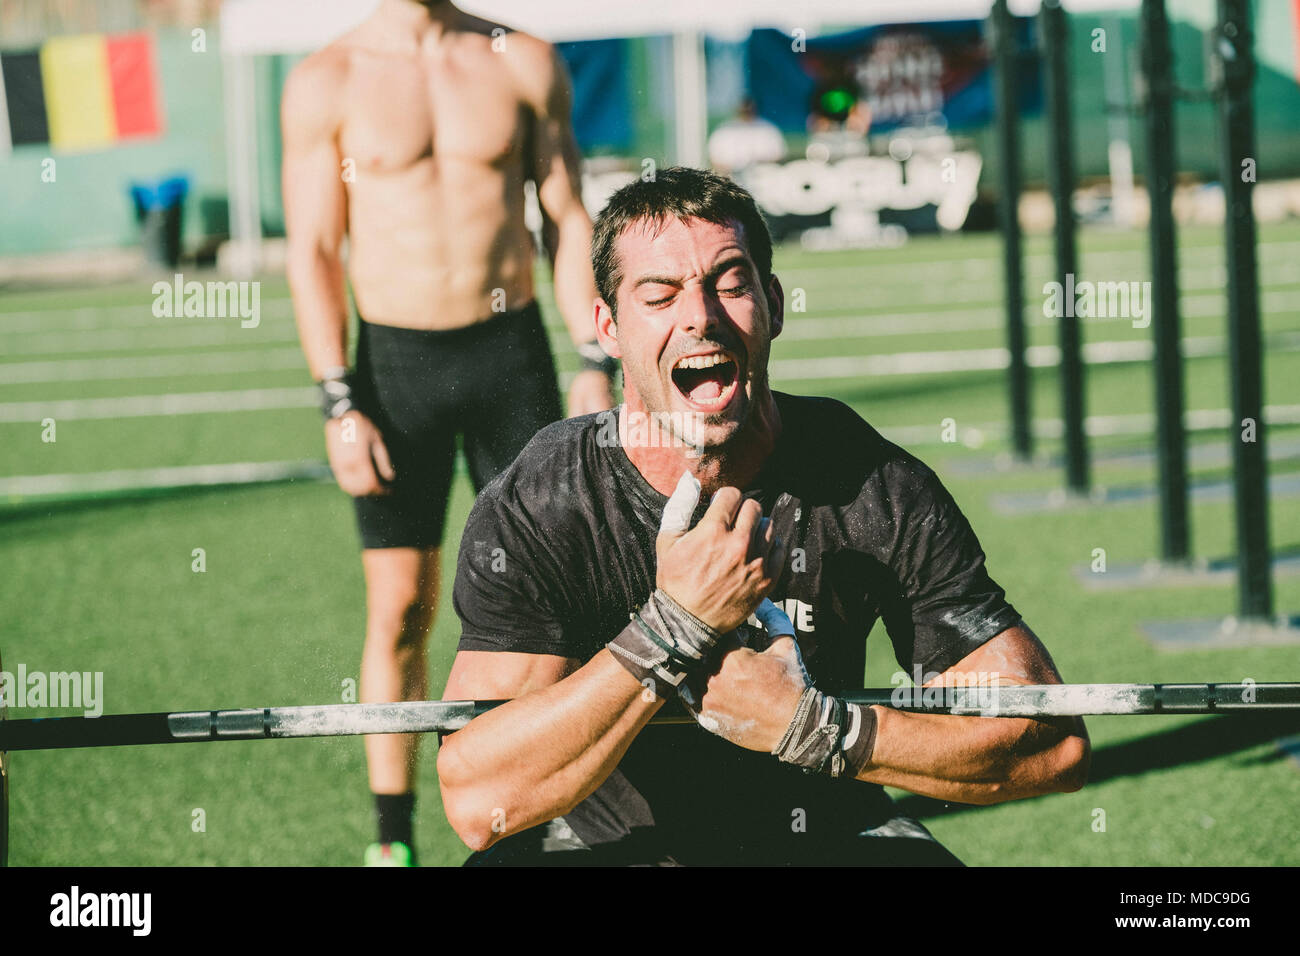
[559, 549]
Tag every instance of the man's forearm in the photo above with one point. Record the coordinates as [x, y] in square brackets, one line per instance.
[977, 760]
[538, 756]
[575, 288]
[320, 307]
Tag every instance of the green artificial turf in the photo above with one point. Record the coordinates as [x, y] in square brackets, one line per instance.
[106, 583]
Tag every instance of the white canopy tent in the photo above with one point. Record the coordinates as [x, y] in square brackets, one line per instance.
[251, 27]
[283, 26]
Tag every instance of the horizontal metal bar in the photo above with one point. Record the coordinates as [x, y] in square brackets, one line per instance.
[441, 716]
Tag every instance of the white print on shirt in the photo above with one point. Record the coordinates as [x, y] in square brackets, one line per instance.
[800, 614]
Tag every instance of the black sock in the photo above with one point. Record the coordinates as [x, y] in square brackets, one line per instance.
[395, 812]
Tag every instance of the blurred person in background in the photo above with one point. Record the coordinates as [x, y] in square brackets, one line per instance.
[745, 140]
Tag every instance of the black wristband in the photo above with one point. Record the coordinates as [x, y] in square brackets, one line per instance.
[593, 358]
[336, 393]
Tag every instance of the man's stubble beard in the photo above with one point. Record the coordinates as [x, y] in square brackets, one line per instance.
[759, 385]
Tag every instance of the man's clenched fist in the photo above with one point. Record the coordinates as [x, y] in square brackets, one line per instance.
[357, 455]
[723, 567]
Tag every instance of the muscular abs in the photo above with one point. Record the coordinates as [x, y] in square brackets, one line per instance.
[432, 150]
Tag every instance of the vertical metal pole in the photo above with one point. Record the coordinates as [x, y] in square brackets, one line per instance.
[1006, 61]
[1237, 156]
[239, 90]
[1119, 152]
[691, 121]
[1157, 65]
[1060, 180]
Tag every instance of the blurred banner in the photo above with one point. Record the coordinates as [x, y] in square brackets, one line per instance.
[602, 106]
[901, 72]
[857, 202]
[80, 92]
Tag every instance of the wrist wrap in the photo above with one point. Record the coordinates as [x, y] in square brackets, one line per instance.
[828, 735]
[336, 393]
[663, 643]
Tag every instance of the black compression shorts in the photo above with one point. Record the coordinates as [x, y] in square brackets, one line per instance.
[492, 382]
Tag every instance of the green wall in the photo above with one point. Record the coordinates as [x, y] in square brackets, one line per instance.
[87, 206]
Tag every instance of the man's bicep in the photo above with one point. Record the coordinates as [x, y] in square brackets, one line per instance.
[556, 163]
[1014, 656]
[315, 198]
[1017, 656]
[502, 675]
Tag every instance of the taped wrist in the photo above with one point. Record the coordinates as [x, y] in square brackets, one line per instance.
[594, 358]
[828, 735]
[664, 643]
[336, 393]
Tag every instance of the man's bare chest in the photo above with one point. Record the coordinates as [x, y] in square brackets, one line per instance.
[397, 116]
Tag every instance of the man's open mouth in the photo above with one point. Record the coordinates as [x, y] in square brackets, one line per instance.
[707, 381]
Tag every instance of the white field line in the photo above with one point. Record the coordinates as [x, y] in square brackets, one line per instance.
[1192, 262]
[808, 327]
[1096, 426]
[995, 359]
[859, 296]
[152, 366]
[800, 327]
[89, 317]
[252, 472]
[179, 477]
[940, 288]
[217, 332]
[981, 267]
[1193, 274]
[140, 406]
[119, 318]
[835, 367]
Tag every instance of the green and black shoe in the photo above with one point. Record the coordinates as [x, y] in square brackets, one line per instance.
[389, 854]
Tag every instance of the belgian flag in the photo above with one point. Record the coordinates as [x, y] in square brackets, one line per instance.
[79, 93]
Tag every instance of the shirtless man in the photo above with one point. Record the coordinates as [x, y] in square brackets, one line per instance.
[414, 135]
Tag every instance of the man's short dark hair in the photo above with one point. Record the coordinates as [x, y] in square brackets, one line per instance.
[681, 193]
